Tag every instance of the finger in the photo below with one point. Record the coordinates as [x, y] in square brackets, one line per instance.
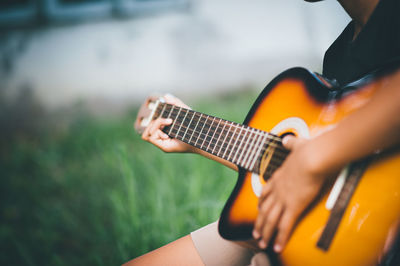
[285, 228]
[164, 123]
[162, 135]
[169, 98]
[157, 133]
[266, 190]
[289, 141]
[158, 139]
[264, 209]
[154, 126]
[159, 124]
[146, 132]
[269, 225]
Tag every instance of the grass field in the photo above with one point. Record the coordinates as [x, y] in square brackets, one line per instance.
[93, 193]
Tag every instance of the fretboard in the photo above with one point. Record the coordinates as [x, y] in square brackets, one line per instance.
[242, 145]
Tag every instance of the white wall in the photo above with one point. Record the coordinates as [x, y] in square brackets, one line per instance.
[218, 45]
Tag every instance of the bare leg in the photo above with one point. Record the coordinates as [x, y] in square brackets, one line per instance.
[179, 252]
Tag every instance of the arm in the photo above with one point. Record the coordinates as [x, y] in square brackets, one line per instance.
[154, 135]
[312, 162]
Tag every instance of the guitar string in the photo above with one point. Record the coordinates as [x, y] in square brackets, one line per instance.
[276, 160]
[254, 136]
[280, 151]
[256, 158]
[206, 120]
[237, 125]
[223, 147]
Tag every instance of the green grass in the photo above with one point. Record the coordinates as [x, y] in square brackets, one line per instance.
[94, 193]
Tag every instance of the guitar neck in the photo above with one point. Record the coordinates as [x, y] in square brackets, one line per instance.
[236, 143]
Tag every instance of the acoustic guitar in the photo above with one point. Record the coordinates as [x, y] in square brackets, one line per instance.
[355, 221]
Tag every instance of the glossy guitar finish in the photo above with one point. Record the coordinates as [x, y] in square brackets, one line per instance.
[371, 219]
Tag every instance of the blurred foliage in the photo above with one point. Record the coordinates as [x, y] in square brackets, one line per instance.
[89, 191]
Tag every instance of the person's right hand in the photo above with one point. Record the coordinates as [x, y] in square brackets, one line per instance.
[154, 135]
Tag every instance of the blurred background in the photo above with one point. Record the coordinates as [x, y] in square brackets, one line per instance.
[78, 186]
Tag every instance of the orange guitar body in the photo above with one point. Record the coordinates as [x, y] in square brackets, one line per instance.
[370, 222]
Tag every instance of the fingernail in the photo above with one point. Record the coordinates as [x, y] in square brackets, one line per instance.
[256, 235]
[169, 120]
[169, 95]
[277, 248]
[262, 244]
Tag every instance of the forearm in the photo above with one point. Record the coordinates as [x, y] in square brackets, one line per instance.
[373, 127]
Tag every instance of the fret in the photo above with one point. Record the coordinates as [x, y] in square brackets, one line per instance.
[239, 144]
[170, 112]
[158, 113]
[205, 129]
[251, 148]
[200, 124]
[222, 143]
[260, 146]
[216, 135]
[163, 110]
[261, 153]
[176, 117]
[179, 122]
[173, 124]
[234, 145]
[201, 130]
[281, 151]
[210, 134]
[206, 135]
[191, 125]
[230, 140]
[194, 129]
[188, 126]
[241, 137]
[185, 125]
[182, 122]
[243, 149]
[278, 158]
[271, 167]
[213, 135]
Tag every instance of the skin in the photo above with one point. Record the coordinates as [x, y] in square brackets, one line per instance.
[154, 135]
[359, 11]
[300, 178]
[179, 252]
[296, 184]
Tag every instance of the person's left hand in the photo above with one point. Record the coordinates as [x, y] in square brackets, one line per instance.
[288, 192]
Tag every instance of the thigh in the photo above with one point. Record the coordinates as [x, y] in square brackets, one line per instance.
[179, 252]
[215, 250]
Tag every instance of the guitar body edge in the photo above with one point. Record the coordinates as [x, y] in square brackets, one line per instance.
[299, 102]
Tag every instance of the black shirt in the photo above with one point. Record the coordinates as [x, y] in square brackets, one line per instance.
[377, 43]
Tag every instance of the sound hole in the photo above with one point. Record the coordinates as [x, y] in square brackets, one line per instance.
[287, 134]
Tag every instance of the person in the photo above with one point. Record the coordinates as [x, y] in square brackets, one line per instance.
[370, 40]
